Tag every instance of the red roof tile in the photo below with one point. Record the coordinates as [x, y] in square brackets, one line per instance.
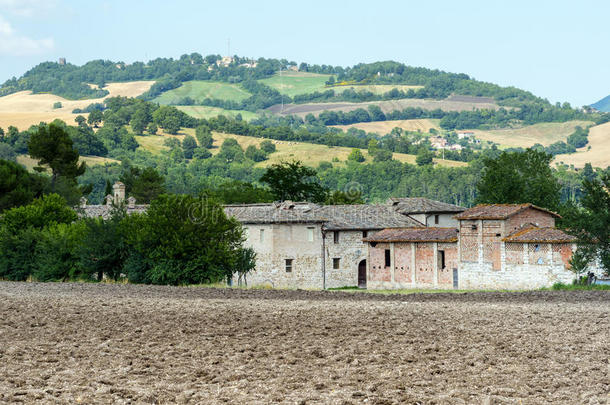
[498, 211]
[414, 235]
[534, 235]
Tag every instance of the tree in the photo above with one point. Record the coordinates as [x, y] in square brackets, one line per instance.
[144, 185]
[95, 118]
[254, 154]
[293, 181]
[382, 155]
[188, 146]
[7, 152]
[52, 146]
[267, 146]
[185, 240]
[590, 223]
[356, 156]
[519, 177]
[139, 120]
[204, 136]
[231, 151]
[348, 197]
[80, 120]
[424, 157]
[152, 129]
[17, 186]
[240, 192]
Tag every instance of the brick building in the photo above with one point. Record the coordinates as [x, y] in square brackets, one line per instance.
[494, 246]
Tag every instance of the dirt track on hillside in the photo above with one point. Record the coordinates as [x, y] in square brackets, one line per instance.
[91, 343]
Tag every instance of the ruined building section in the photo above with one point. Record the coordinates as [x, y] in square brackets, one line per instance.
[428, 212]
[412, 258]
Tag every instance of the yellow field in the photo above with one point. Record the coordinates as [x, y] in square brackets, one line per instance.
[375, 88]
[598, 155]
[309, 154]
[385, 127]
[30, 163]
[24, 109]
[544, 134]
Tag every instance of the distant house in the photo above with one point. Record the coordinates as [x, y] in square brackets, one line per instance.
[428, 212]
[225, 61]
[438, 142]
[465, 134]
[62, 61]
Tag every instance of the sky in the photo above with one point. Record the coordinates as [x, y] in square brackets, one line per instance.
[556, 49]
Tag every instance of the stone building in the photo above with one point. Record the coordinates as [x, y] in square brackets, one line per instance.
[112, 201]
[428, 212]
[511, 246]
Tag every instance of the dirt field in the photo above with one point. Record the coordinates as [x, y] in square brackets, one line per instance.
[89, 343]
[24, 109]
[598, 155]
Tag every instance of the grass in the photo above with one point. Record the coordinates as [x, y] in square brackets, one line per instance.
[294, 83]
[376, 88]
[406, 291]
[199, 90]
[576, 287]
[544, 133]
[599, 153]
[30, 163]
[206, 112]
[385, 127]
[310, 154]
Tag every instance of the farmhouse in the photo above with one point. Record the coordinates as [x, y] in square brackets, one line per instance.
[493, 246]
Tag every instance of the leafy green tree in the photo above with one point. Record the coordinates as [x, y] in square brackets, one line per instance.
[293, 181]
[382, 155]
[152, 129]
[424, 157]
[590, 223]
[55, 257]
[139, 120]
[52, 146]
[267, 146]
[143, 184]
[80, 120]
[185, 240]
[7, 152]
[240, 192]
[95, 118]
[245, 263]
[188, 146]
[204, 136]
[356, 156]
[17, 186]
[519, 177]
[231, 151]
[339, 197]
[254, 154]
[201, 153]
[57, 104]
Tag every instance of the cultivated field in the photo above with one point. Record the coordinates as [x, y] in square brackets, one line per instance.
[544, 133]
[30, 163]
[386, 106]
[598, 155]
[199, 90]
[96, 343]
[199, 111]
[375, 88]
[293, 83]
[309, 153]
[385, 127]
[24, 109]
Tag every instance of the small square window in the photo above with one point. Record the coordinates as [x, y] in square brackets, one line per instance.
[310, 234]
[536, 248]
[336, 237]
[436, 218]
[365, 234]
[289, 265]
[336, 263]
[388, 260]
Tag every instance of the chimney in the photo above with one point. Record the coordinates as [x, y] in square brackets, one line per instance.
[131, 202]
[109, 199]
[119, 193]
[83, 202]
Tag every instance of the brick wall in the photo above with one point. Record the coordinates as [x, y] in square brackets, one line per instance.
[424, 263]
[403, 265]
[378, 272]
[529, 215]
[445, 276]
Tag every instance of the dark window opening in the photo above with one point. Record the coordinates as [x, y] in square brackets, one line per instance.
[365, 234]
[336, 237]
[336, 263]
[436, 220]
[441, 259]
[387, 258]
[289, 265]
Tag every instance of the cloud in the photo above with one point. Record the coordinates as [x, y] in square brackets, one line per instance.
[13, 44]
[26, 8]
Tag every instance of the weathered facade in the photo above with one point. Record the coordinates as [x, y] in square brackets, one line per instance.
[494, 247]
[428, 212]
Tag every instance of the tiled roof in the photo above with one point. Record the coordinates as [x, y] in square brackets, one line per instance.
[498, 211]
[418, 205]
[363, 216]
[105, 211]
[535, 234]
[286, 212]
[415, 235]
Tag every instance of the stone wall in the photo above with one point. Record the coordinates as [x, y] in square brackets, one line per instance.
[350, 250]
[529, 215]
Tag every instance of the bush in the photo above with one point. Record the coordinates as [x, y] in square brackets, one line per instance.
[267, 146]
[57, 104]
[56, 254]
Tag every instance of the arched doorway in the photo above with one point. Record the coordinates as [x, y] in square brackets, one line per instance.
[362, 274]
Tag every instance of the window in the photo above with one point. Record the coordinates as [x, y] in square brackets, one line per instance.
[262, 235]
[436, 219]
[336, 263]
[310, 234]
[365, 234]
[441, 259]
[336, 237]
[536, 248]
[387, 258]
[289, 265]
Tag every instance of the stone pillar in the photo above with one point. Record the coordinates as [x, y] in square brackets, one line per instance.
[109, 199]
[526, 255]
[550, 254]
[83, 202]
[435, 264]
[392, 262]
[119, 193]
[131, 202]
[480, 242]
[413, 263]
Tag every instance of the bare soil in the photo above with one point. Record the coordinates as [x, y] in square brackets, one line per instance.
[96, 343]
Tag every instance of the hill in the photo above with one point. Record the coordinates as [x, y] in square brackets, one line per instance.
[603, 104]
[597, 152]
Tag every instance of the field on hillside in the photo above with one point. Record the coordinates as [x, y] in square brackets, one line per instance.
[386, 106]
[310, 154]
[30, 163]
[544, 133]
[375, 88]
[598, 155]
[199, 90]
[114, 343]
[24, 109]
[385, 127]
[199, 111]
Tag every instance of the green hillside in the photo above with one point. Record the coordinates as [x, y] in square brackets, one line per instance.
[198, 90]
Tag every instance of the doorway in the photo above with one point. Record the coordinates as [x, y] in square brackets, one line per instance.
[362, 274]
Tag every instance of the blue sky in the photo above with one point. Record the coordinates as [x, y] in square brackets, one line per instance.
[556, 49]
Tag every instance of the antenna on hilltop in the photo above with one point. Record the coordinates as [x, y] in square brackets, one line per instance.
[281, 87]
[228, 46]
